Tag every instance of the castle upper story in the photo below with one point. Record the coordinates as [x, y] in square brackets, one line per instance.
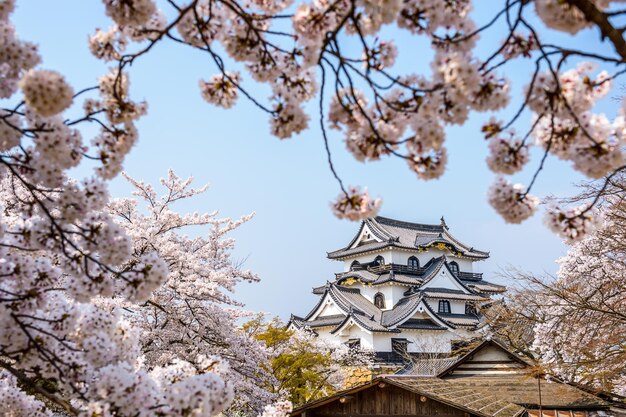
[404, 287]
[387, 241]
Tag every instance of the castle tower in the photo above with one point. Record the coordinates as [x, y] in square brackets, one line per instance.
[406, 289]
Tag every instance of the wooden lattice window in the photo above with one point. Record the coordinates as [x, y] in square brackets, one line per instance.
[413, 262]
[470, 308]
[354, 344]
[379, 300]
[444, 306]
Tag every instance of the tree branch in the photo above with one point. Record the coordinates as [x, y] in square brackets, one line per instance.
[27, 382]
[601, 20]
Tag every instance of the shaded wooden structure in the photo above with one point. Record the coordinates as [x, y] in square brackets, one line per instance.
[489, 381]
[391, 396]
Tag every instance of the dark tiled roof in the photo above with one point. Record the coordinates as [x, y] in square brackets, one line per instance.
[367, 315]
[319, 290]
[424, 274]
[403, 309]
[399, 278]
[421, 324]
[341, 253]
[395, 233]
[460, 319]
[358, 308]
[437, 389]
[362, 274]
[481, 404]
[332, 320]
[451, 294]
[483, 286]
[426, 366]
[524, 390]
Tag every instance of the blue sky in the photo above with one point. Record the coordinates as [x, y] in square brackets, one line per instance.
[287, 183]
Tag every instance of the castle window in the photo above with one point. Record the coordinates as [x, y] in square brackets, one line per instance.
[454, 268]
[354, 344]
[380, 260]
[470, 308]
[379, 300]
[413, 262]
[355, 265]
[444, 306]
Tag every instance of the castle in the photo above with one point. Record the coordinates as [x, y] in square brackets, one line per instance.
[406, 289]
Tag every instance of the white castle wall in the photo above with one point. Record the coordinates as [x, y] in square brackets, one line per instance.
[436, 341]
[392, 292]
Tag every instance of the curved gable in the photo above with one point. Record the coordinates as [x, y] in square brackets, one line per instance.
[442, 277]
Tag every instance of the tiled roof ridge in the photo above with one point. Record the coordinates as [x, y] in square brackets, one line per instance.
[379, 231]
[458, 315]
[462, 245]
[444, 396]
[357, 313]
[388, 318]
[319, 302]
[434, 228]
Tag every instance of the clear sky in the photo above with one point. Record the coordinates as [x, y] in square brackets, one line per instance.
[288, 183]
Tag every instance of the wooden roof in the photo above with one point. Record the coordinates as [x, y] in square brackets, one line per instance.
[489, 381]
[532, 392]
[478, 396]
[489, 358]
[432, 388]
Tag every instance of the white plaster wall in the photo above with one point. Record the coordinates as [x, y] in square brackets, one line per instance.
[402, 257]
[355, 332]
[438, 341]
[429, 340]
[382, 342]
[392, 292]
[327, 308]
[456, 306]
[387, 254]
[422, 340]
[444, 279]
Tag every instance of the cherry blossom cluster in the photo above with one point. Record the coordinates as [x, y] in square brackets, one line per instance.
[581, 318]
[566, 127]
[194, 315]
[64, 260]
[563, 16]
[278, 409]
[221, 90]
[380, 113]
[355, 204]
[17, 56]
[20, 403]
[512, 201]
[508, 154]
[182, 390]
[573, 223]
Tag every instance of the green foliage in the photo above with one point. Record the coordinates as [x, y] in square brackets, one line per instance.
[302, 369]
